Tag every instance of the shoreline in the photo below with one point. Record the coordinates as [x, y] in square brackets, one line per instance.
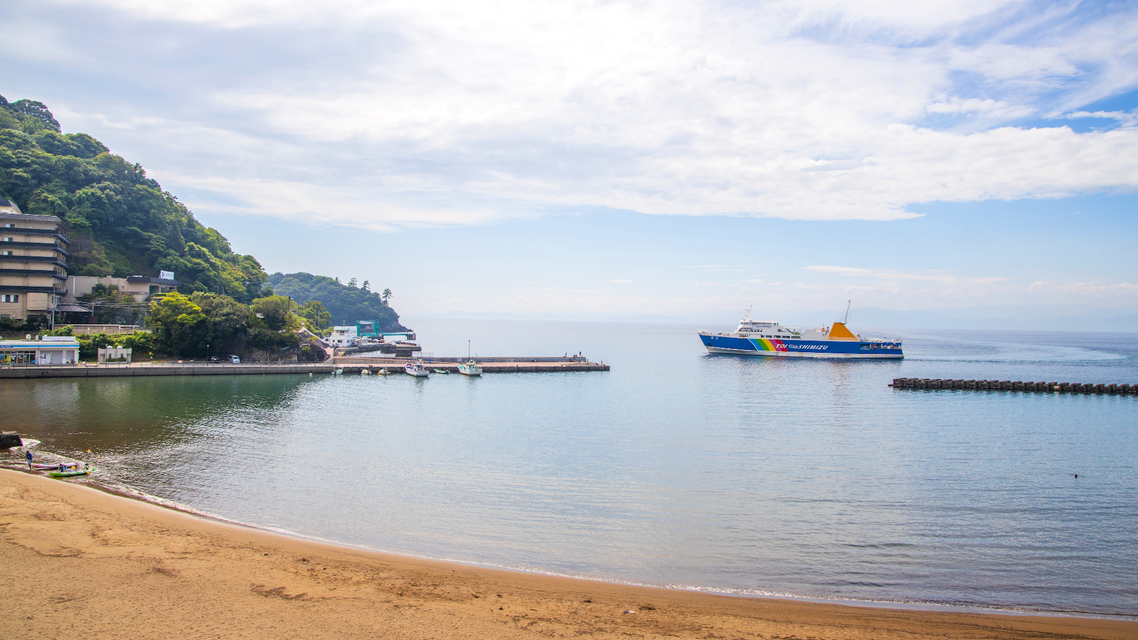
[128, 493]
[183, 571]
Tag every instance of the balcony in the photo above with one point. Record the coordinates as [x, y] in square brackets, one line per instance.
[42, 246]
[7, 288]
[43, 273]
[48, 259]
[53, 233]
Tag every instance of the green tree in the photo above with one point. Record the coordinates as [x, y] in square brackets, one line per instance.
[227, 321]
[180, 328]
[317, 316]
[346, 305]
[273, 311]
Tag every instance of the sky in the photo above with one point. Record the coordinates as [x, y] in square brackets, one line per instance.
[621, 160]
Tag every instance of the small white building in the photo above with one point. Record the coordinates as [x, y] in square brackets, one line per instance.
[343, 337]
[114, 354]
[50, 350]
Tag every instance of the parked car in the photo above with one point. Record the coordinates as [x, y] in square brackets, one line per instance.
[214, 359]
[235, 359]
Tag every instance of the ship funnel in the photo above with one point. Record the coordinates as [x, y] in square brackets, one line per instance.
[840, 332]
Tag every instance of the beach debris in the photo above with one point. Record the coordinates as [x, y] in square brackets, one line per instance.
[628, 611]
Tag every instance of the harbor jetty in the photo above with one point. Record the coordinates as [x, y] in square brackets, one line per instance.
[356, 364]
[346, 365]
[1015, 385]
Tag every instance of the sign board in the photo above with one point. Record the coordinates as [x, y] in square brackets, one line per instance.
[166, 275]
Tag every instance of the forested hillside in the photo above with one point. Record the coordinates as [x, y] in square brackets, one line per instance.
[122, 222]
[347, 303]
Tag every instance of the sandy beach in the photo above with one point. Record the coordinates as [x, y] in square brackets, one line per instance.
[80, 562]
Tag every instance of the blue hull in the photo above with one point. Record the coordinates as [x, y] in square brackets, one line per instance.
[801, 348]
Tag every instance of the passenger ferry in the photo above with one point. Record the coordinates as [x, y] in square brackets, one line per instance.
[764, 338]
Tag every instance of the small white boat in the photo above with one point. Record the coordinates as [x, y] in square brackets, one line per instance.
[470, 367]
[384, 372]
[338, 372]
[416, 368]
[441, 371]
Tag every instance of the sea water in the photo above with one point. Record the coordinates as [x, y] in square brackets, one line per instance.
[803, 478]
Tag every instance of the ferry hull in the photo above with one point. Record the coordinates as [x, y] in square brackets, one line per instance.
[848, 349]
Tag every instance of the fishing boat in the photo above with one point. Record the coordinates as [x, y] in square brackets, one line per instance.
[441, 371]
[765, 338]
[41, 466]
[469, 368]
[70, 472]
[416, 368]
[384, 372]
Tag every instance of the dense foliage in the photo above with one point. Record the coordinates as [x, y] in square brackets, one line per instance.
[346, 303]
[122, 222]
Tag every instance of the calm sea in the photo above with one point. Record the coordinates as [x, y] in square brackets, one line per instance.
[753, 476]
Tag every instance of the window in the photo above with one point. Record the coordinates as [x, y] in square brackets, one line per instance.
[10, 225]
[5, 253]
[10, 297]
[8, 239]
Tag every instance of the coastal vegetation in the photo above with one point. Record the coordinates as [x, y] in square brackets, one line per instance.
[123, 223]
[345, 303]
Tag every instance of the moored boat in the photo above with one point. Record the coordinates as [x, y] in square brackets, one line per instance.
[416, 368]
[766, 338]
[39, 466]
[469, 368]
[441, 371]
[70, 472]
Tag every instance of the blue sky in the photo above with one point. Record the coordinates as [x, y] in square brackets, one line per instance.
[620, 159]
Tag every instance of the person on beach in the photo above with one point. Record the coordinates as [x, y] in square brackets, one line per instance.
[29, 459]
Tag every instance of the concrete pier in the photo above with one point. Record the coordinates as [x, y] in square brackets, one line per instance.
[347, 365]
[1015, 385]
[489, 365]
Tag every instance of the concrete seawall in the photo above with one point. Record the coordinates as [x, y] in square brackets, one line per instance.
[346, 365]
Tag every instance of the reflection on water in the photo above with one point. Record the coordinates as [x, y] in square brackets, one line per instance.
[810, 478]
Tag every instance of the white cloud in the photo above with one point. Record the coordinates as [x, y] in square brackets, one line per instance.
[805, 110]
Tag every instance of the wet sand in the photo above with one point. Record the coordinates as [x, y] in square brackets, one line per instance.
[77, 561]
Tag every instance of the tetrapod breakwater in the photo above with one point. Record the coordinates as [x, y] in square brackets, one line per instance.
[1015, 385]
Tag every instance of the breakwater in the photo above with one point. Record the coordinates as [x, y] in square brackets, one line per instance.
[498, 364]
[344, 365]
[1015, 385]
